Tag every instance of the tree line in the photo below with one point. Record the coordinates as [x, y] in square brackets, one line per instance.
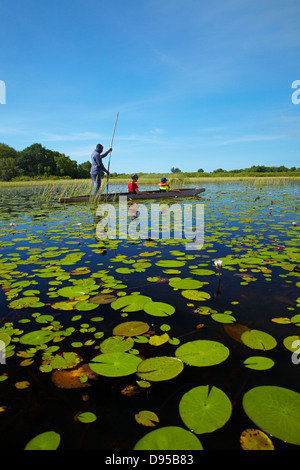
[38, 161]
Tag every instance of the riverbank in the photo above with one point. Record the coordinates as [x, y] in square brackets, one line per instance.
[152, 178]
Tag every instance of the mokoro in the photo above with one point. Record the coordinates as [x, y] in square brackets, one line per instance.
[188, 192]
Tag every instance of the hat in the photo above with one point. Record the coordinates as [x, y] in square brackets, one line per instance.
[163, 180]
[134, 175]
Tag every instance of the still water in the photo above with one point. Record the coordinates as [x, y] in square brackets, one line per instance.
[53, 268]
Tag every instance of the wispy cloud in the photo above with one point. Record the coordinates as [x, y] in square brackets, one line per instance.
[251, 138]
[76, 136]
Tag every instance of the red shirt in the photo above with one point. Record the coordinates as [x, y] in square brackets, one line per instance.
[132, 187]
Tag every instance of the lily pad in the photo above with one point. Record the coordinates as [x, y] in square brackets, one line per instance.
[159, 368]
[131, 328]
[35, 338]
[195, 295]
[72, 292]
[102, 299]
[169, 438]
[49, 440]
[116, 364]
[116, 344]
[204, 410]
[170, 263]
[254, 439]
[187, 283]
[259, 363]
[25, 302]
[130, 303]
[257, 339]
[202, 353]
[275, 410]
[86, 417]
[159, 309]
[146, 418]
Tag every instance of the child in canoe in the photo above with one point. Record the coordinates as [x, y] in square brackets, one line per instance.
[133, 187]
[164, 186]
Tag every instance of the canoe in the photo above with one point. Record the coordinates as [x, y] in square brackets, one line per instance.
[111, 197]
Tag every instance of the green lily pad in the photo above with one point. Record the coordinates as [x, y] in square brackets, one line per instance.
[37, 337]
[25, 302]
[202, 353]
[159, 309]
[159, 368]
[44, 318]
[102, 299]
[195, 295]
[146, 418]
[67, 360]
[289, 343]
[203, 272]
[85, 306]
[275, 410]
[187, 283]
[223, 318]
[49, 440]
[4, 340]
[115, 364]
[257, 339]
[116, 344]
[204, 409]
[131, 328]
[72, 292]
[130, 303]
[86, 417]
[169, 438]
[170, 263]
[259, 363]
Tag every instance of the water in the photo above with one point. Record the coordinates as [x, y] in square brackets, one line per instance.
[247, 226]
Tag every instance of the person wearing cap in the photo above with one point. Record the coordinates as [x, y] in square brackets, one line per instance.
[97, 167]
[164, 185]
[133, 187]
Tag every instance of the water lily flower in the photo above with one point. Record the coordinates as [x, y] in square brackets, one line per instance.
[12, 224]
[218, 264]
[294, 224]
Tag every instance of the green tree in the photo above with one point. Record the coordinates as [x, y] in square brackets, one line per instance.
[32, 160]
[83, 170]
[64, 165]
[175, 170]
[8, 164]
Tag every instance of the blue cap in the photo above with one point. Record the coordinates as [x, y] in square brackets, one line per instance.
[163, 180]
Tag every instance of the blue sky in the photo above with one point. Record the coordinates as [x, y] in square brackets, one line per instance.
[197, 84]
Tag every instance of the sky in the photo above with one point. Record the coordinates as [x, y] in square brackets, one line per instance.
[196, 83]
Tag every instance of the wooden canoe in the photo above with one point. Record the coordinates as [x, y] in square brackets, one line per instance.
[111, 197]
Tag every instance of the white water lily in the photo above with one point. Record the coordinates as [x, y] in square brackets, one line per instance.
[218, 263]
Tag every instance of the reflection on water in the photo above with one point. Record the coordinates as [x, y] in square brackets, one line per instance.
[249, 227]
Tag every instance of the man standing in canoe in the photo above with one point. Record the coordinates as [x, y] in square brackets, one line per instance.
[97, 166]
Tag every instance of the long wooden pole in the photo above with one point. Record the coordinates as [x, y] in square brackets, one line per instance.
[112, 139]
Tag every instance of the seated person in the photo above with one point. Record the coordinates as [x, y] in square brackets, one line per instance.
[133, 187]
[164, 186]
